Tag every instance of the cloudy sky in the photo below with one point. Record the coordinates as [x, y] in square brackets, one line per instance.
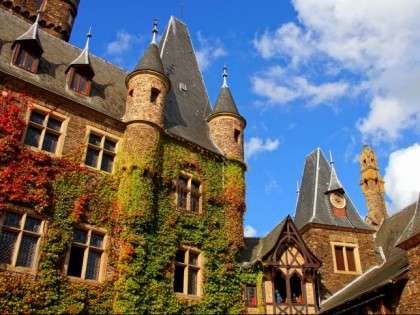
[304, 74]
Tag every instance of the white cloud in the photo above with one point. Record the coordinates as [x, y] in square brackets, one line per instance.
[122, 44]
[249, 231]
[402, 177]
[272, 185]
[209, 51]
[376, 41]
[257, 145]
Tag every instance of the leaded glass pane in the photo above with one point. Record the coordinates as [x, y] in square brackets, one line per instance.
[26, 251]
[82, 85]
[32, 224]
[37, 118]
[96, 240]
[79, 236]
[29, 62]
[182, 192]
[93, 265]
[32, 136]
[20, 59]
[95, 140]
[50, 142]
[7, 245]
[193, 259]
[109, 145]
[192, 281]
[75, 81]
[12, 219]
[54, 124]
[107, 163]
[92, 157]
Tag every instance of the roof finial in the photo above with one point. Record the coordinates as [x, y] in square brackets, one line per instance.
[331, 159]
[297, 187]
[224, 75]
[155, 30]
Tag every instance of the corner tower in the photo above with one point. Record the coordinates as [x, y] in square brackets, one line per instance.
[147, 86]
[57, 18]
[226, 124]
[373, 188]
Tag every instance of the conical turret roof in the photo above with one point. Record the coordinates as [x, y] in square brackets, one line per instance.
[151, 60]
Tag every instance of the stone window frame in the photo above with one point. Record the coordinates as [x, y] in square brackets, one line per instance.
[24, 51]
[101, 148]
[248, 299]
[61, 134]
[23, 231]
[190, 179]
[356, 255]
[87, 248]
[186, 264]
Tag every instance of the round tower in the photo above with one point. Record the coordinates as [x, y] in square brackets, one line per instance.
[57, 18]
[373, 188]
[147, 86]
[226, 124]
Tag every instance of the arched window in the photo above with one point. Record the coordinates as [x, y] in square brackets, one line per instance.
[280, 288]
[296, 288]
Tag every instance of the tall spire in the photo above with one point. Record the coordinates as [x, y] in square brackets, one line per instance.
[335, 183]
[32, 35]
[83, 59]
[154, 31]
[224, 75]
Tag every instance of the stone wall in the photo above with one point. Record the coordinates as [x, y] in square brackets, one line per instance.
[319, 242]
[222, 129]
[409, 302]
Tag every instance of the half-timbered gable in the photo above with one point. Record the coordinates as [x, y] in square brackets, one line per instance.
[288, 268]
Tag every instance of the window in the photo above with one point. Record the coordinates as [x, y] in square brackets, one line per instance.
[85, 259]
[101, 152]
[154, 95]
[251, 294]
[25, 58]
[188, 272]
[346, 258]
[189, 195]
[43, 132]
[79, 82]
[237, 135]
[19, 239]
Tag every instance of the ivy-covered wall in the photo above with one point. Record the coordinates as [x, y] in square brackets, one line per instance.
[136, 206]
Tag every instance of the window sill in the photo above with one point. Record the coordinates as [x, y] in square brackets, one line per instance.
[25, 270]
[80, 280]
[188, 297]
[348, 272]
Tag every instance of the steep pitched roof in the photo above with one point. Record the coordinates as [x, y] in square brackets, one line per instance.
[373, 279]
[313, 204]
[151, 60]
[187, 103]
[397, 228]
[31, 36]
[108, 91]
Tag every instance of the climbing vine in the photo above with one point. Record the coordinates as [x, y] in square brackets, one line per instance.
[136, 206]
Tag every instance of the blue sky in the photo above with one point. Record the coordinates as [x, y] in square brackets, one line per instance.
[304, 74]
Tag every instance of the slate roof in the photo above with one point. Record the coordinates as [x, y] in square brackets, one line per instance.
[151, 60]
[257, 248]
[371, 280]
[413, 227]
[108, 91]
[185, 111]
[313, 204]
[225, 103]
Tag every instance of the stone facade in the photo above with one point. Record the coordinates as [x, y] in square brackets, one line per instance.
[320, 239]
[409, 303]
[57, 18]
[227, 133]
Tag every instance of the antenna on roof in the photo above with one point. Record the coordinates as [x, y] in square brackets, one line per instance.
[182, 8]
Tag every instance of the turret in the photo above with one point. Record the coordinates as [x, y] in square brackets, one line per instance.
[373, 188]
[147, 86]
[226, 124]
[58, 15]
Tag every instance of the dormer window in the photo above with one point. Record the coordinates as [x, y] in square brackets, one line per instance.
[26, 58]
[154, 95]
[79, 82]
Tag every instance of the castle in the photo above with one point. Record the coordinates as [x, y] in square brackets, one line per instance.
[124, 192]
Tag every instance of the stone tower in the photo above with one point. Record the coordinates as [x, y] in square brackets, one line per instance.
[226, 124]
[147, 86]
[57, 18]
[373, 188]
